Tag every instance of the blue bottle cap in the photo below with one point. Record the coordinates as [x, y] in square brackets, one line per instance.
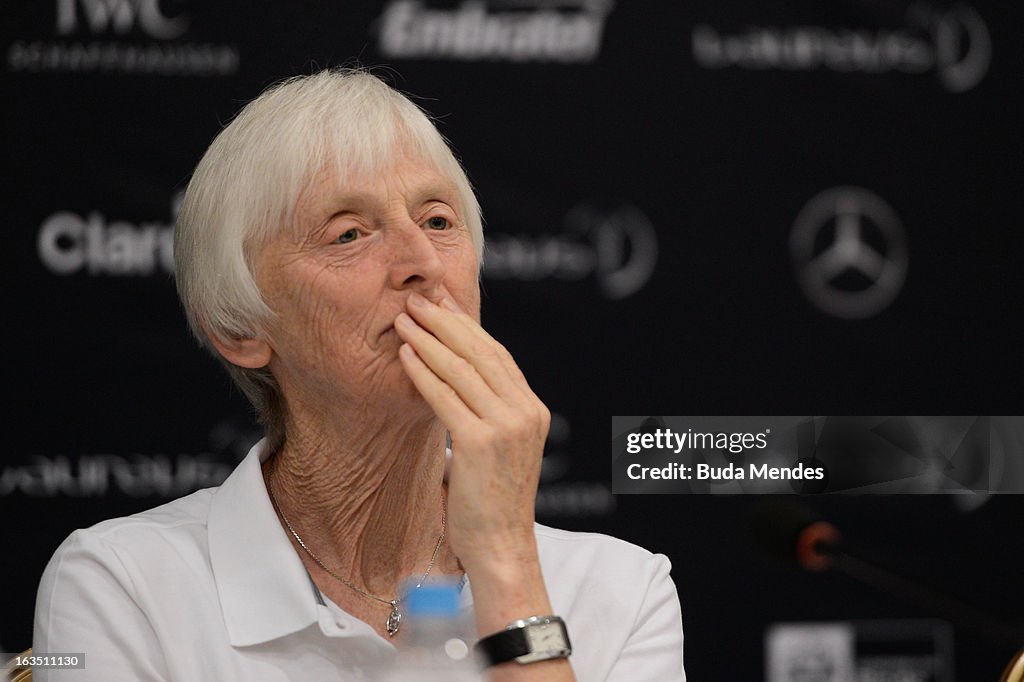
[433, 599]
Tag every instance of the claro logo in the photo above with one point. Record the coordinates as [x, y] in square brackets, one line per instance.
[618, 248]
[119, 16]
[69, 244]
[537, 30]
[953, 43]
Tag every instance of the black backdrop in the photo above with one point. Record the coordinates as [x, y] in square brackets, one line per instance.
[648, 173]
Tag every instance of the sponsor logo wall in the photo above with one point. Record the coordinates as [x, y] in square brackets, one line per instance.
[697, 208]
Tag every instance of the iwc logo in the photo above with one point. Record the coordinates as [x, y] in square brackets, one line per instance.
[150, 37]
[120, 15]
[849, 251]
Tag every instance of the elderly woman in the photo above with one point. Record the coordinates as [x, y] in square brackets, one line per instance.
[328, 251]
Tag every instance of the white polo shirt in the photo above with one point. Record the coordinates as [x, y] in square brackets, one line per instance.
[208, 587]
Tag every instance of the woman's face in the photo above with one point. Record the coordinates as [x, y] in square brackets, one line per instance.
[338, 279]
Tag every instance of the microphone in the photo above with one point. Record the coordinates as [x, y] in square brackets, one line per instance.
[790, 531]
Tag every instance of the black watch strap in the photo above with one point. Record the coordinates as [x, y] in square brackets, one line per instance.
[537, 638]
[504, 646]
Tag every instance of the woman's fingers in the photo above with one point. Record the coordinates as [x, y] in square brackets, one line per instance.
[463, 337]
[446, 403]
[474, 328]
[454, 371]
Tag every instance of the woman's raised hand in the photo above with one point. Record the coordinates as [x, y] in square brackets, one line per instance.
[497, 424]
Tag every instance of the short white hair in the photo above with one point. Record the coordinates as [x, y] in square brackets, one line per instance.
[246, 187]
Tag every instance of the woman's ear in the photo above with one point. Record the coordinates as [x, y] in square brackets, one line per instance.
[244, 352]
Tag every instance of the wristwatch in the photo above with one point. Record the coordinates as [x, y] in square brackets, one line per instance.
[537, 638]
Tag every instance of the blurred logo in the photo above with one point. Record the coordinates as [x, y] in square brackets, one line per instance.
[953, 43]
[97, 475]
[68, 243]
[558, 497]
[102, 36]
[498, 30]
[132, 474]
[121, 16]
[618, 248]
[849, 251]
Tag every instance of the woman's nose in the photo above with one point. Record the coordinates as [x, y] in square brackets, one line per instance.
[415, 261]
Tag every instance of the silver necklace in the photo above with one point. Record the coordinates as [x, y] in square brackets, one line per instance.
[394, 621]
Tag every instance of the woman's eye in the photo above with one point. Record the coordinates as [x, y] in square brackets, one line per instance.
[347, 236]
[438, 223]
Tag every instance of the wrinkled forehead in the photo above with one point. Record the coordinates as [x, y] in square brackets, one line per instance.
[341, 164]
[403, 176]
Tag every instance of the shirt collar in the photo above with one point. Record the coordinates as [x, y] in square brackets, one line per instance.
[265, 591]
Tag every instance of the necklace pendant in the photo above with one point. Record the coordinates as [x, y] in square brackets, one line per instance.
[394, 619]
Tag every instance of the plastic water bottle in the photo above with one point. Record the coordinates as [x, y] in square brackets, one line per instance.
[439, 642]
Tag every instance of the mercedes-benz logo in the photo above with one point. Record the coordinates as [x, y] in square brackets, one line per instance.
[849, 251]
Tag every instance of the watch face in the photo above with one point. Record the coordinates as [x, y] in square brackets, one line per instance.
[546, 637]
